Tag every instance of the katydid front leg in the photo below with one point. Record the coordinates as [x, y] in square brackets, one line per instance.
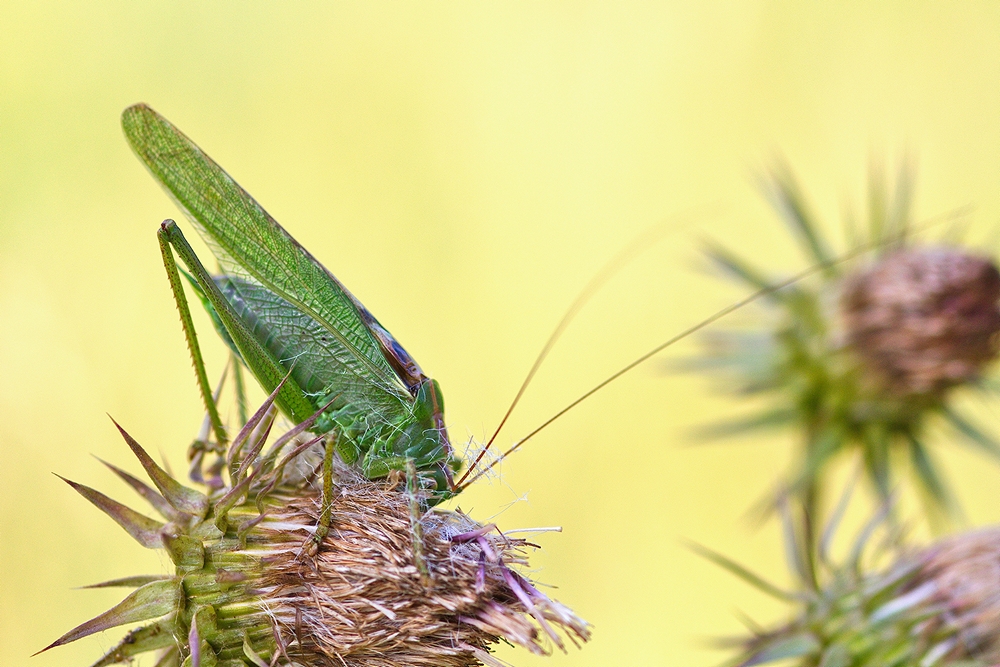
[326, 507]
[416, 528]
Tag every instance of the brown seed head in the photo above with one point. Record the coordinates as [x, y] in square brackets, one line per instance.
[362, 600]
[963, 576]
[923, 320]
[938, 605]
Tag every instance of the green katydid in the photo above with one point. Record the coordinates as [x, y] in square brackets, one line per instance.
[286, 315]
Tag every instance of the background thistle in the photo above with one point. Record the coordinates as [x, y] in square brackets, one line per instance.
[922, 320]
[861, 357]
[882, 605]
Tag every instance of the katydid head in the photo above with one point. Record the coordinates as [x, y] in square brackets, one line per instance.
[432, 448]
[428, 404]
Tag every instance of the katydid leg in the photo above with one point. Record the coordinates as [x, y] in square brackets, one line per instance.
[269, 371]
[241, 392]
[416, 528]
[326, 509]
[174, 277]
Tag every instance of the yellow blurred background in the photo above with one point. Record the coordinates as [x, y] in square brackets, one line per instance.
[464, 168]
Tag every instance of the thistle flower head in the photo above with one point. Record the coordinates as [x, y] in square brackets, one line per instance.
[860, 356]
[390, 583]
[936, 606]
[962, 576]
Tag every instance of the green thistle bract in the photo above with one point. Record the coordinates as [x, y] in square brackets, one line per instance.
[862, 355]
[391, 583]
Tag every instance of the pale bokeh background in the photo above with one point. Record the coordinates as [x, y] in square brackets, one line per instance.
[464, 168]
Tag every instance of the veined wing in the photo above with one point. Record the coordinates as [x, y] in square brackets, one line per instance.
[250, 244]
[294, 337]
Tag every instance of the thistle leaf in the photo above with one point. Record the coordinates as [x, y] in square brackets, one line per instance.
[928, 475]
[990, 383]
[972, 433]
[194, 643]
[741, 270]
[903, 602]
[786, 196]
[252, 655]
[186, 552]
[248, 428]
[836, 656]
[743, 573]
[171, 658]
[889, 213]
[144, 530]
[822, 447]
[865, 534]
[795, 646]
[155, 599]
[830, 531]
[939, 651]
[295, 431]
[179, 496]
[796, 551]
[876, 455]
[228, 501]
[771, 418]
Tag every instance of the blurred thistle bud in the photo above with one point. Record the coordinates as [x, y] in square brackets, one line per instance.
[859, 355]
[961, 577]
[934, 607]
[390, 584]
[923, 320]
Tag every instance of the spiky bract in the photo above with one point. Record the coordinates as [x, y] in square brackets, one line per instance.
[862, 354]
[390, 584]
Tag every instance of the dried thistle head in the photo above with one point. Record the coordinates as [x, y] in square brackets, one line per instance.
[961, 576]
[372, 596]
[390, 584]
[936, 606]
[862, 354]
[923, 319]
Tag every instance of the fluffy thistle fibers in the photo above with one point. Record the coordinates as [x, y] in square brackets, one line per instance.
[390, 584]
[939, 606]
[861, 355]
